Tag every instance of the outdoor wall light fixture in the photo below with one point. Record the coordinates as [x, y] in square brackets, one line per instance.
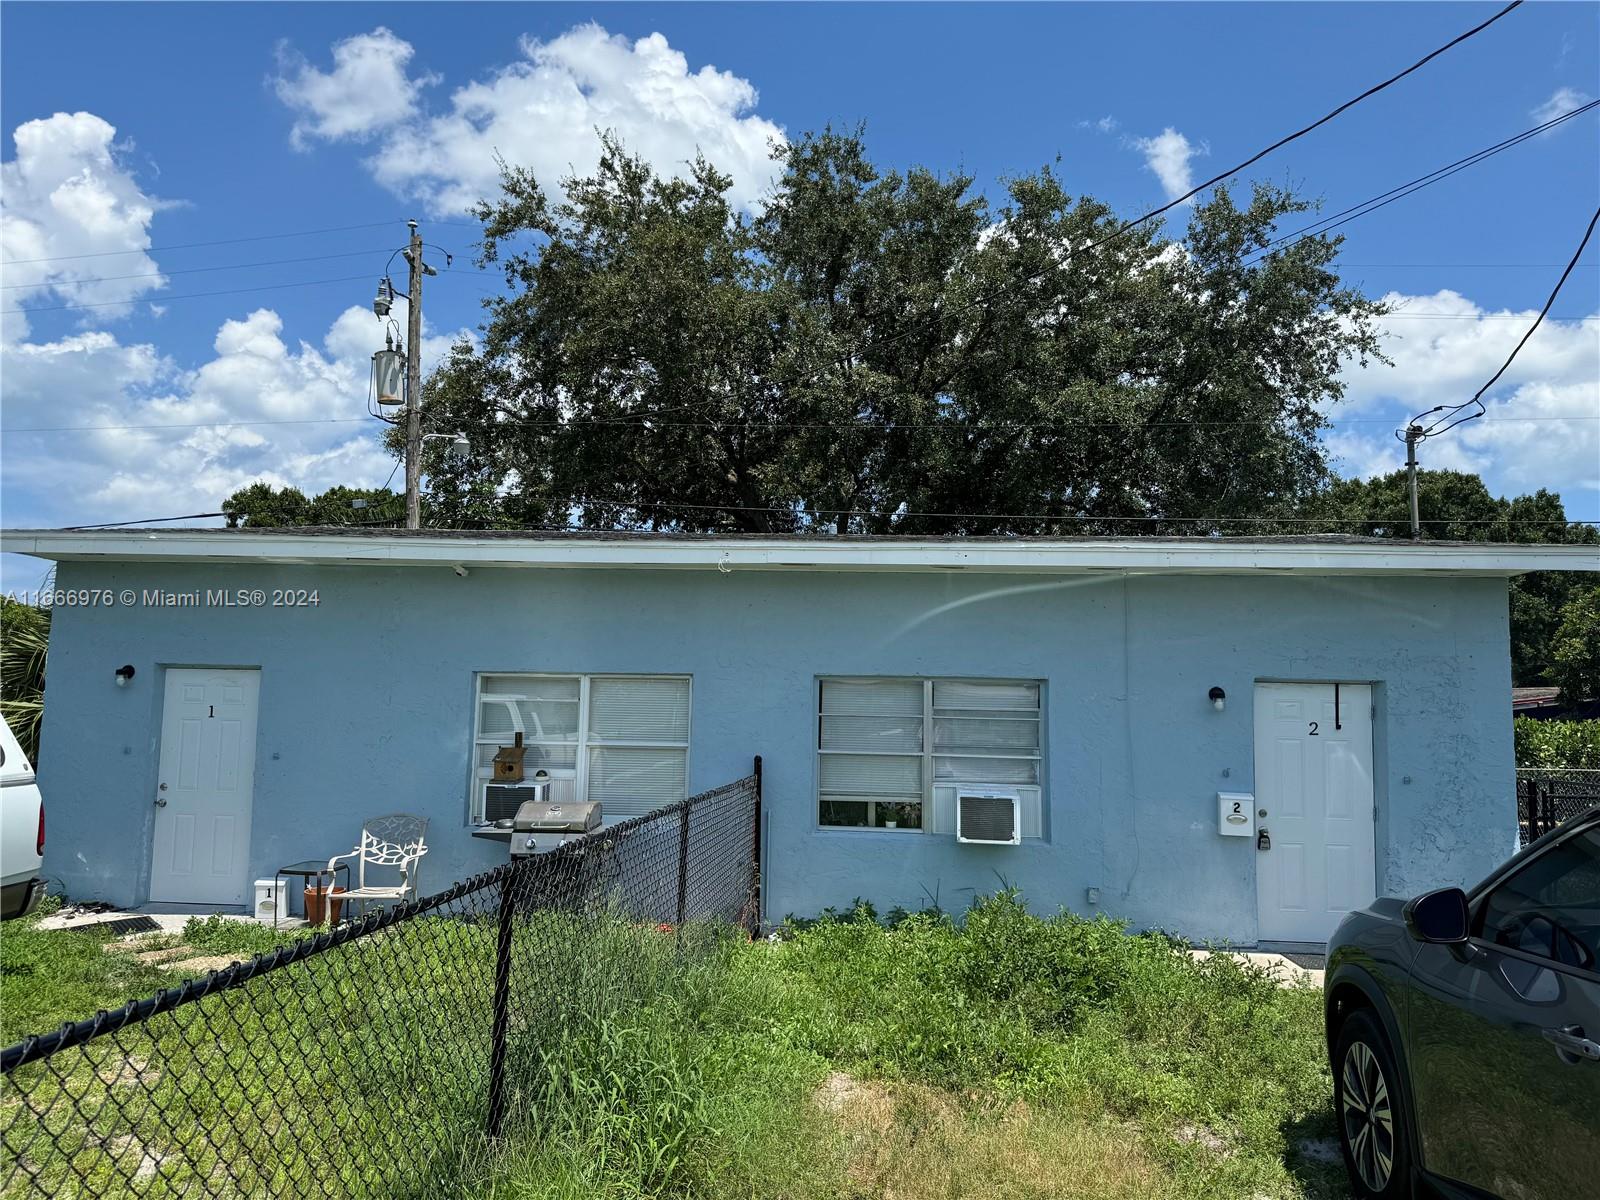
[1218, 698]
[124, 673]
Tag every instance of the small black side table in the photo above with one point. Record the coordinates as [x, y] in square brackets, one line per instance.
[310, 869]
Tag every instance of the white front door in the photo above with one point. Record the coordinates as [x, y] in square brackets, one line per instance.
[1316, 859]
[208, 762]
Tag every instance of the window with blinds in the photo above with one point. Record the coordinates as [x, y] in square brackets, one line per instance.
[885, 745]
[622, 740]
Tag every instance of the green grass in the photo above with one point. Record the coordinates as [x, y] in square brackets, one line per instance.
[1005, 1055]
[51, 976]
[1008, 1056]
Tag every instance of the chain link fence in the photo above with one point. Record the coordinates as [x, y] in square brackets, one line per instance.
[387, 1057]
[1550, 796]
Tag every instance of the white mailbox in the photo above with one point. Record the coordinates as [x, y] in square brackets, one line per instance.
[1236, 814]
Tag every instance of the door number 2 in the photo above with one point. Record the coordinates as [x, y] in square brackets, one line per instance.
[1314, 729]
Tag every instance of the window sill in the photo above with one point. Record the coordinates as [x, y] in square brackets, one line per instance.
[860, 833]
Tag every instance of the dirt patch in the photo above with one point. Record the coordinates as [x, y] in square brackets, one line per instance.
[908, 1140]
[1320, 1150]
[1199, 1135]
[167, 954]
[128, 1152]
[203, 965]
[131, 1070]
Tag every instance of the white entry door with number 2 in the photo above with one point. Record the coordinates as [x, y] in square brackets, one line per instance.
[203, 795]
[1315, 841]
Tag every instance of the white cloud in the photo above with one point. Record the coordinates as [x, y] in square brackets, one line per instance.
[367, 91]
[230, 421]
[1445, 346]
[1168, 156]
[261, 406]
[1562, 101]
[66, 198]
[543, 110]
[1541, 428]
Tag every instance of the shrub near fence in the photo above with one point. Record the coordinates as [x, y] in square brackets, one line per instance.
[381, 1059]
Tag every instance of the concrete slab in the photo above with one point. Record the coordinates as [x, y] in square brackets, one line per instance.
[152, 922]
[164, 918]
[1298, 970]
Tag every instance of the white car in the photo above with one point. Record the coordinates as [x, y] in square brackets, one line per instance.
[21, 831]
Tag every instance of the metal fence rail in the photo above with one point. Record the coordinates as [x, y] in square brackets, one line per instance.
[1549, 796]
[377, 1060]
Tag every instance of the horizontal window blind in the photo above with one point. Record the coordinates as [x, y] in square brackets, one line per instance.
[639, 710]
[883, 744]
[884, 775]
[628, 781]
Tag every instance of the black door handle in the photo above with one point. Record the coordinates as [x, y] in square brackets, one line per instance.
[1571, 1045]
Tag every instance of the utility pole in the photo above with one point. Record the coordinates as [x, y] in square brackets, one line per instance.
[1413, 436]
[414, 384]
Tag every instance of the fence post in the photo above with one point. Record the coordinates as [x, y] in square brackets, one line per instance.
[683, 862]
[755, 858]
[502, 1006]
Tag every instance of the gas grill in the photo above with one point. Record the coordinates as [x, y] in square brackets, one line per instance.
[543, 825]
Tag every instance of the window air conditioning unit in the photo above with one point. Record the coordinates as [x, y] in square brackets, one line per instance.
[501, 800]
[989, 816]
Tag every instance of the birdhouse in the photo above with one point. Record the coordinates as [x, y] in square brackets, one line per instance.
[508, 762]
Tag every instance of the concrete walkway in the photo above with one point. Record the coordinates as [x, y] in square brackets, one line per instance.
[150, 919]
[1297, 970]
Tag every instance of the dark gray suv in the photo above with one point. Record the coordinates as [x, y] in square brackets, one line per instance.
[1464, 1031]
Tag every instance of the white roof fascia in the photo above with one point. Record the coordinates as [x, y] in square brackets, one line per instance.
[1130, 555]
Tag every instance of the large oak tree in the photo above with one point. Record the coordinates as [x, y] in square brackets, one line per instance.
[875, 345]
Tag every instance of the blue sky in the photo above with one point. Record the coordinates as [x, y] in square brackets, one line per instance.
[239, 121]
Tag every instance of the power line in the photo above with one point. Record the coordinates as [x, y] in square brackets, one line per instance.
[1448, 421]
[1415, 432]
[271, 262]
[1218, 178]
[261, 237]
[149, 521]
[1554, 292]
[896, 514]
[644, 420]
[1348, 104]
[265, 287]
[1411, 316]
[1371, 205]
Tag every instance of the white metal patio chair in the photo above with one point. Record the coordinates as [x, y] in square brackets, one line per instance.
[394, 841]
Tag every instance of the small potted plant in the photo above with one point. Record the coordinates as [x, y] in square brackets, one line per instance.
[321, 901]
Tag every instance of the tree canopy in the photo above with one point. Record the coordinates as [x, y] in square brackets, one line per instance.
[876, 346]
[263, 504]
[880, 351]
[1456, 506]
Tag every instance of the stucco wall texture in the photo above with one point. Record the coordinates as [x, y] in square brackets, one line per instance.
[366, 706]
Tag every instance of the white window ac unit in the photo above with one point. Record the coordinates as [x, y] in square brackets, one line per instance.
[501, 800]
[989, 816]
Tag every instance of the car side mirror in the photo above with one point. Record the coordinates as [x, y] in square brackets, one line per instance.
[1439, 917]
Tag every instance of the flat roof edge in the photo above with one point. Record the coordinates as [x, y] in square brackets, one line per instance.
[1142, 555]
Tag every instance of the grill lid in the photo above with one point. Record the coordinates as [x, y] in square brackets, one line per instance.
[539, 816]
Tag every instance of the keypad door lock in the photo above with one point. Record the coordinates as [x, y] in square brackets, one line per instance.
[1263, 840]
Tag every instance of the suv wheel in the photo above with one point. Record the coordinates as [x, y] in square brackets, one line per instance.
[1369, 1106]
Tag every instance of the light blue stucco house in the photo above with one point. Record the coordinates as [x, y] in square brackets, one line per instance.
[1224, 738]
